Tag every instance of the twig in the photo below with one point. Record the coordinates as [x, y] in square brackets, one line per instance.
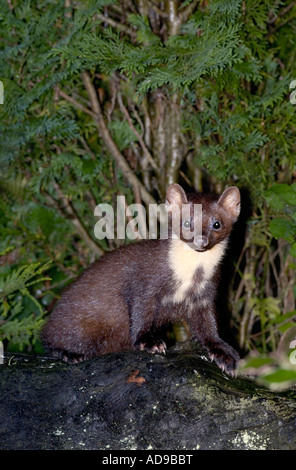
[114, 89]
[185, 178]
[185, 14]
[76, 103]
[271, 328]
[139, 121]
[68, 5]
[139, 137]
[157, 10]
[119, 26]
[249, 284]
[282, 12]
[106, 136]
[72, 215]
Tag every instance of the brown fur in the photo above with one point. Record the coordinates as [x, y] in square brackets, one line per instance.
[122, 300]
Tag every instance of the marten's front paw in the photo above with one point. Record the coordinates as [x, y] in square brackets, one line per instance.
[158, 347]
[225, 357]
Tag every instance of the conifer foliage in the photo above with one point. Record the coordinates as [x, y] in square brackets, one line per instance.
[103, 98]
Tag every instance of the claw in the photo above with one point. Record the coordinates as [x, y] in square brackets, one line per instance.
[159, 348]
[224, 356]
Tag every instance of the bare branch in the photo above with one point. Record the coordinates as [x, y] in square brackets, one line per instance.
[72, 215]
[185, 14]
[174, 17]
[282, 12]
[157, 10]
[139, 137]
[76, 103]
[106, 136]
[68, 5]
[121, 27]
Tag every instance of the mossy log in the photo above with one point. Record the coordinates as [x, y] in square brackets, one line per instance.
[135, 400]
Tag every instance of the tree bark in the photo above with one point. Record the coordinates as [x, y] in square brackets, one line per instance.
[135, 401]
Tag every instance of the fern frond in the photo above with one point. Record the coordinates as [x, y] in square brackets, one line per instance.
[18, 279]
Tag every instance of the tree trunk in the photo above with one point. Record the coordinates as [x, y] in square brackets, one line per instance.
[137, 401]
[163, 127]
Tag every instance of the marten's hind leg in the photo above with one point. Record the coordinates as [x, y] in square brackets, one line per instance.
[66, 356]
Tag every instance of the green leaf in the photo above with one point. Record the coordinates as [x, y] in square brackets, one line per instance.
[274, 200]
[279, 194]
[283, 228]
[18, 279]
[280, 375]
[293, 250]
[286, 316]
[286, 327]
[257, 362]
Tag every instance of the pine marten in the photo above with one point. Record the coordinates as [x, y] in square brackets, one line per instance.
[122, 300]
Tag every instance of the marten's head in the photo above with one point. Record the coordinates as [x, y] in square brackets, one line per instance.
[202, 220]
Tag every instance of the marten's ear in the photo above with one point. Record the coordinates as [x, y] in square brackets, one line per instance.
[175, 196]
[230, 201]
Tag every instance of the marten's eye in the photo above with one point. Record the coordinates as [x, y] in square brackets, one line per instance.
[186, 223]
[216, 225]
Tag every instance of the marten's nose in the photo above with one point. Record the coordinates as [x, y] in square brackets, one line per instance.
[201, 242]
